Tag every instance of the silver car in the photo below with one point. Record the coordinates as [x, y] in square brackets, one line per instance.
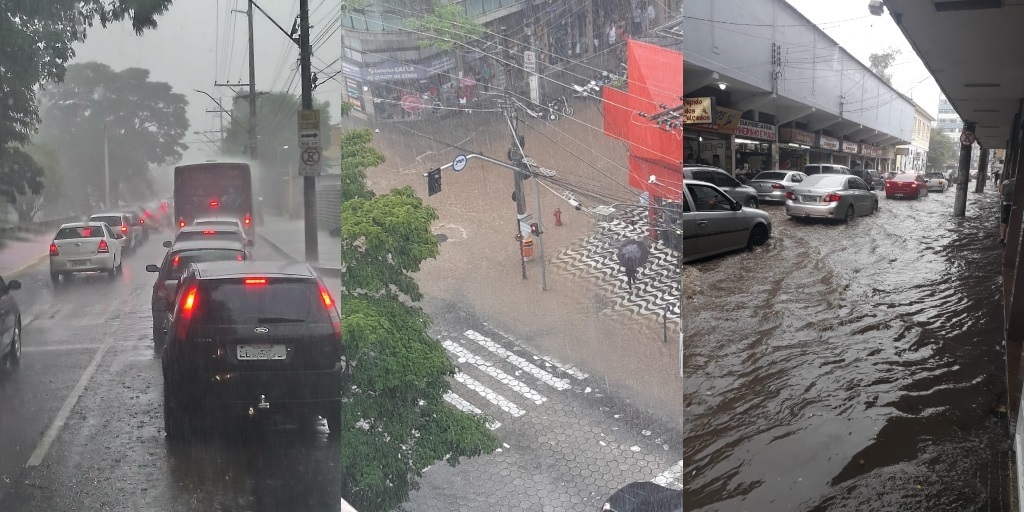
[713, 223]
[831, 196]
[746, 196]
[85, 247]
[773, 185]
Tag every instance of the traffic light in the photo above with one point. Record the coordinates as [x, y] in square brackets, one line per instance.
[534, 229]
[434, 182]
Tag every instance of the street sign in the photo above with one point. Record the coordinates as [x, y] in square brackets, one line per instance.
[309, 143]
[966, 138]
[459, 163]
[524, 224]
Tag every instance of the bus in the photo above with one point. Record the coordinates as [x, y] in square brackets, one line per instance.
[214, 189]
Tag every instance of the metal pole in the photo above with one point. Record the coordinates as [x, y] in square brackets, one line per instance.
[964, 176]
[308, 182]
[540, 237]
[106, 169]
[979, 186]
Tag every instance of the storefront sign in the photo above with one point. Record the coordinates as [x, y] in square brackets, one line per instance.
[725, 121]
[794, 136]
[870, 151]
[903, 151]
[755, 130]
[826, 142]
[393, 70]
[889, 152]
[355, 94]
[850, 147]
[698, 111]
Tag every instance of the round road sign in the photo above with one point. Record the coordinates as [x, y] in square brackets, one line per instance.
[459, 163]
[966, 138]
[311, 156]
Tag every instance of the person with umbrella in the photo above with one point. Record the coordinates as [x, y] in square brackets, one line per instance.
[632, 255]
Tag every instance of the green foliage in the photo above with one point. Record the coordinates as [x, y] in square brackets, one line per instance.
[881, 62]
[36, 42]
[448, 24]
[19, 174]
[357, 155]
[29, 204]
[942, 150]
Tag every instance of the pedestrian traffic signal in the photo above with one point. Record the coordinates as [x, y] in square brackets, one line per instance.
[534, 228]
[434, 182]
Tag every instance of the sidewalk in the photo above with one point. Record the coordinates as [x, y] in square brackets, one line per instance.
[287, 237]
[22, 251]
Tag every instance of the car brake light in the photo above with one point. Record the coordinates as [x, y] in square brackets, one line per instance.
[209, 232]
[214, 204]
[255, 280]
[124, 228]
[53, 249]
[247, 220]
[174, 264]
[142, 221]
[830, 197]
[778, 186]
[188, 307]
[913, 184]
[325, 297]
[103, 247]
[181, 223]
[241, 257]
[791, 196]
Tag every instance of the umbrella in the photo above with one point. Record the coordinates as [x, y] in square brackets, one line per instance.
[632, 255]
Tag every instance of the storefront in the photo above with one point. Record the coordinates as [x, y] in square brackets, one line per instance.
[870, 155]
[825, 151]
[851, 152]
[794, 148]
[755, 147]
[711, 144]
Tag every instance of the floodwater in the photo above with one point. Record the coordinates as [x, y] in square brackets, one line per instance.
[852, 367]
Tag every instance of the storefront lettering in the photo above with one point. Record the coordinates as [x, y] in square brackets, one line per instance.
[796, 136]
[849, 147]
[755, 130]
[826, 142]
[697, 111]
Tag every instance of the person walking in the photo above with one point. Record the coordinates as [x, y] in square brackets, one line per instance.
[1006, 191]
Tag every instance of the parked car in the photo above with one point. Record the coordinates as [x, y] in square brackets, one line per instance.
[85, 247]
[739, 192]
[170, 270]
[830, 196]
[10, 323]
[771, 186]
[248, 338]
[873, 178]
[644, 497]
[812, 169]
[713, 223]
[936, 181]
[122, 223]
[906, 185]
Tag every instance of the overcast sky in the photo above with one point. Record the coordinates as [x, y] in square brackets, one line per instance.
[862, 34]
[199, 42]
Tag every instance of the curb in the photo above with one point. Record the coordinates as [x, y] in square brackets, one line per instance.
[27, 267]
[325, 271]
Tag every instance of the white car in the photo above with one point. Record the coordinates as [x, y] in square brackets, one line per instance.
[224, 221]
[85, 247]
[936, 181]
[122, 222]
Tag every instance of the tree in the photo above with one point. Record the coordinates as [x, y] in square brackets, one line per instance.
[29, 204]
[448, 28]
[394, 419]
[942, 150]
[144, 122]
[357, 155]
[881, 62]
[19, 174]
[36, 41]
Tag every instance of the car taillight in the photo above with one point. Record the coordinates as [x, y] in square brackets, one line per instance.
[142, 221]
[247, 219]
[209, 232]
[830, 198]
[913, 184]
[189, 300]
[241, 257]
[328, 302]
[181, 223]
[778, 186]
[53, 249]
[124, 228]
[214, 204]
[103, 247]
[255, 281]
[791, 196]
[174, 264]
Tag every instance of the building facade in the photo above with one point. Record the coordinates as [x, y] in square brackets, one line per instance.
[913, 157]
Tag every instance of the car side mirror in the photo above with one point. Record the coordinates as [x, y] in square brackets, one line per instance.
[152, 268]
[13, 284]
[167, 244]
[118, 236]
[737, 206]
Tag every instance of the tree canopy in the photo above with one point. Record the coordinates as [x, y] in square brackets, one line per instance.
[449, 25]
[357, 155]
[28, 204]
[942, 150]
[880, 63]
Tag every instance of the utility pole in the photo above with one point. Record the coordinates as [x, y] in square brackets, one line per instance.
[513, 125]
[252, 89]
[106, 168]
[979, 186]
[963, 171]
[308, 182]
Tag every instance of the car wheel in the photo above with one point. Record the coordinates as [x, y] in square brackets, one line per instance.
[758, 237]
[113, 270]
[14, 354]
[333, 417]
[850, 214]
[751, 202]
[55, 279]
[176, 419]
[874, 206]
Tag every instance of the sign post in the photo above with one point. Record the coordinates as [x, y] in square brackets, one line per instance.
[309, 143]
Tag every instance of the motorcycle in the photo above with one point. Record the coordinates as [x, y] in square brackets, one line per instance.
[590, 90]
[540, 112]
[560, 104]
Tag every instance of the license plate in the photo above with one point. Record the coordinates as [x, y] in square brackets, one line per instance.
[897, 195]
[79, 263]
[261, 352]
[809, 199]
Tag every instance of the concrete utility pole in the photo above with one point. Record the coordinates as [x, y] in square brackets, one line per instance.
[252, 89]
[106, 169]
[308, 182]
[964, 172]
[517, 176]
[982, 171]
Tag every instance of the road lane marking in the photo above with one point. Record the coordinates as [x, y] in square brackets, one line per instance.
[490, 395]
[545, 377]
[62, 416]
[489, 369]
[464, 406]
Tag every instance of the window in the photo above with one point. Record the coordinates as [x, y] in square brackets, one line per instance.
[724, 180]
[79, 232]
[707, 176]
[707, 199]
[235, 303]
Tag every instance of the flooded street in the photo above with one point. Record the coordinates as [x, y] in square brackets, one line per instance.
[852, 367]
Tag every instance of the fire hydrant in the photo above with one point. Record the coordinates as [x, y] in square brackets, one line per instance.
[558, 216]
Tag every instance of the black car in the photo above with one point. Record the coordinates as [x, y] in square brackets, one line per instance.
[872, 178]
[174, 264]
[249, 338]
[10, 323]
[644, 497]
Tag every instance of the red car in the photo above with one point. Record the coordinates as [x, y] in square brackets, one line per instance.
[906, 185]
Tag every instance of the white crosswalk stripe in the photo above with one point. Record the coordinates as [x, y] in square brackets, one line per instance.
[490, 395]
[571, 370]
[543, 376]
[489, 369]
[464, 406]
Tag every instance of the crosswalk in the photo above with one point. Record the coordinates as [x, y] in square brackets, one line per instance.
[506, 379]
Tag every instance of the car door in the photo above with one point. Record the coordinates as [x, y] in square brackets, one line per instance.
[718, 227]
[922, 184]
[858, 190]
[729, 185]
[113, 243]
[6, 316]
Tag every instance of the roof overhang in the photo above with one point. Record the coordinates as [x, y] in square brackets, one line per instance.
[974, 50]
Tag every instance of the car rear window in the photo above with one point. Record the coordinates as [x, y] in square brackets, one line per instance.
[263, 302]
[108, 220]
[770, 176]
[214, 235]
[824, 181]
[180, 261]
[215, 223]
[905, 177]
[80, 232]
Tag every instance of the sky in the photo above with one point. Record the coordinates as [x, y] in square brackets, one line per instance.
[199, 42]
[861, 34]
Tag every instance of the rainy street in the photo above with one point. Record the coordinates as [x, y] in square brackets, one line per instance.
[106, 449]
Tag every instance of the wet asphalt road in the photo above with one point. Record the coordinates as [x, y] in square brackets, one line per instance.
[110, 453]
[852, 367]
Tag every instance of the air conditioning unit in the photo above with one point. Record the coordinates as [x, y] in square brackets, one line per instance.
[876, 8]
